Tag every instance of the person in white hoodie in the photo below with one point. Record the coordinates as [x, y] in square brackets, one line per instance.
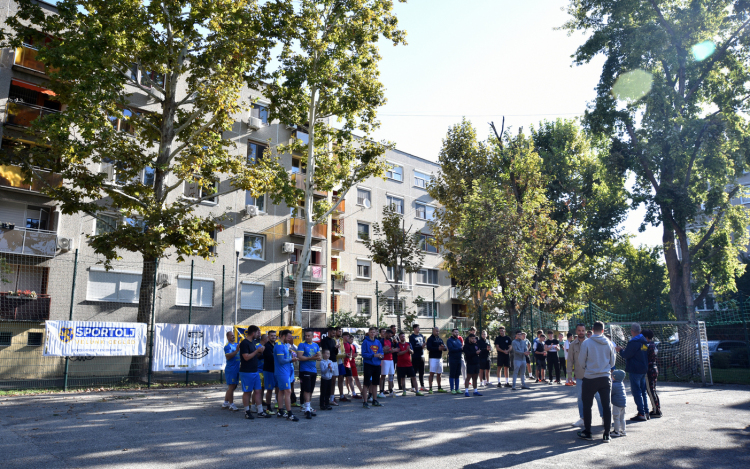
[597, 357]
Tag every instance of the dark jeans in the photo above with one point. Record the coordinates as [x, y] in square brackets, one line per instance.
[564, 368]
[418, 363]
[553, 362]
[591, 386]
[325, 392]
[455, 367]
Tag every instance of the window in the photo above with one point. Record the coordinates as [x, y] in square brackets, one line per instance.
[362, 195]
[35, 339]
[427, 243]
[396, 203]
[5, 338]
[254, 246]
[148, 77]
[425, 212]
[393, 307]
[37, 218]
[203, 292]
[213, 234]
[312, 301]
[113, 286]
[395, 172]
[106, 224]
[429, 276]
[251, 296]
[259, 202]
[363, 230]
[363, 268]
[136, 222]
[255, 151]
[124, 123]
[428, 309]
[196, 190]
[148, 176]
[363, 306]
[421, 179]
[298, 167]
[391, 275]
[260, 112]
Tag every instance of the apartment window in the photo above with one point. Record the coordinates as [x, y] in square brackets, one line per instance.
[35, 339]
[106, 224]
[136, 222]
[255, 151]
[421, 179]
[363, 230]
[363, 268]
[196, 190]
[362, 196]
[395, 172]
[394, 307]
[312, 301]
[260, 112]
[251, 296]
[390, 273]
[203, 292]
[363, 306]
[428, 309]
[429, 276]
[124, 123]
[396, 203]
[148, 77]
[425, 212]
[259, 202]
[5, 339]
[254, 247]
[37, 218]
[427, 243]
[298, 167]
[213, 234]
[113, 286]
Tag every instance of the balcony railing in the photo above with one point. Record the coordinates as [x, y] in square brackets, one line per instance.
[15, 308]
[28, 241]
[26, 58]
[341, 209]
[312, 274]
[299, 182]
[337, 228]
[21, 114]
[338, 244]
[297, 228]
[11, 176]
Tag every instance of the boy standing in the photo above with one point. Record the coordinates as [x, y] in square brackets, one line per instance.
[619, 401]
[597, 358]
[541, 357]
[520, 352]
[326, 378]
[472, 353]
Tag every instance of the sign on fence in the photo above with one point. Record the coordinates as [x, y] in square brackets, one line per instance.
[94, 339]
[189, 347]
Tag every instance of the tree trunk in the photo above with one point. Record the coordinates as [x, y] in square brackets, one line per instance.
[680, 291]
[139, 364]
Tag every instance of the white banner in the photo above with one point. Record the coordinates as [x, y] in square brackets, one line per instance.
[189, 347]
[94, 339]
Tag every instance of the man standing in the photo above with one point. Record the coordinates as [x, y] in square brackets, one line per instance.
[455, 353]
[572, 362]
[416, 340]
[231, 371]
[472, 351]
[502, 345]
[552, 346]
[484, 359]
[394, 343]
[269, 381]
[435, 349]
[308, 353]
[597, 357]
[372, 353]
[520, 349]
[250, 350]
[405, 368]
[636, 366]
[386, 364]
[283, 369]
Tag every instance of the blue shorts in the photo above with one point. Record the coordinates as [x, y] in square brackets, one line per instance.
[232, 374]
[283, 382]
[269, 380]
[342, 370]
[250, 381]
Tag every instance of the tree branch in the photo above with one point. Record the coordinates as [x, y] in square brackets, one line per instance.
[710, 231]
[644, 164]
[190, 139]
[697, 145]
[111, 187]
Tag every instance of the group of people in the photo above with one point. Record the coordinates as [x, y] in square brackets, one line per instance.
[265, 362]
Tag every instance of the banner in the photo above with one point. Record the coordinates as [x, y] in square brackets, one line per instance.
[189, 347]
[94, 339]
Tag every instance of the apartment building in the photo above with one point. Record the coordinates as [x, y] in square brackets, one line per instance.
[254, 263]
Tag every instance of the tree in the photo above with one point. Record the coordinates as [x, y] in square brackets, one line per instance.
[329, 70]
[191, 60]
[671, 97]
[397, 250]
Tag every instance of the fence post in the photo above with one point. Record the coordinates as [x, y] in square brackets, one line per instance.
[190, 308]
[377, 305]
[223, 274]
[281, 309]
[151, 341]
[434, 309]
[70, 316]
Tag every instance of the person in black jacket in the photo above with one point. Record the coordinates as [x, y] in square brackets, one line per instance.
[435, 349]
[484, 360]
[472, 353]
[269, 380]
[416, 340]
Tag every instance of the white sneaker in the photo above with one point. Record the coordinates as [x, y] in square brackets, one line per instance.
[225, 405]
[233, 407]
[253, 408]
[614, 433]
[579, 423]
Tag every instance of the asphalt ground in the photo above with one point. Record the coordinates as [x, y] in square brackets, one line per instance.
[701, 427]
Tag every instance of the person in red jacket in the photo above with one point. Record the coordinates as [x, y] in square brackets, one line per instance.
[404, 367]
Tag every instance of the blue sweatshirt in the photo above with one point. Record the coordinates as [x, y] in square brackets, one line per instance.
[636, 355]
[282, 358]
[369, 349]
[618, 390]
[455, 349]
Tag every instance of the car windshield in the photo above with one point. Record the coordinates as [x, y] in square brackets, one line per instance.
[713, 345]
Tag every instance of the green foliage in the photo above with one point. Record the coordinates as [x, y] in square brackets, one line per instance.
[687, 138]
[349, 319]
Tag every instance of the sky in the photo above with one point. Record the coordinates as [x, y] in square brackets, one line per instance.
[484, 59]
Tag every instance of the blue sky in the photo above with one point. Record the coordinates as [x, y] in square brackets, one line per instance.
[483, 59]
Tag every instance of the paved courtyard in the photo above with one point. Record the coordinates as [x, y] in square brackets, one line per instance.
[702, 427]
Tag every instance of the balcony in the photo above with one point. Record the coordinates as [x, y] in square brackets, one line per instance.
[28, 241]
[312, 274]
[299, 182]
[20, 114]
[26, 60]
[458, 293]
[14, 308]
[11, 176]
[297, 228]
[338, 244]
[341, 209]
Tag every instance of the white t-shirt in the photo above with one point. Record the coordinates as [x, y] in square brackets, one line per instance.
[566, 346]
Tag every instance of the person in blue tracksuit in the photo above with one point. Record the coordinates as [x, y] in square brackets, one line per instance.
[455, 351]
[283, 368]
[636, 365]
[372, 353]
[231, 371]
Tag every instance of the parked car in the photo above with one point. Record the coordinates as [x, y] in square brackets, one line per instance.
[729, 353]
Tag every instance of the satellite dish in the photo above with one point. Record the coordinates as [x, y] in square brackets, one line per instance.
[367, 203]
